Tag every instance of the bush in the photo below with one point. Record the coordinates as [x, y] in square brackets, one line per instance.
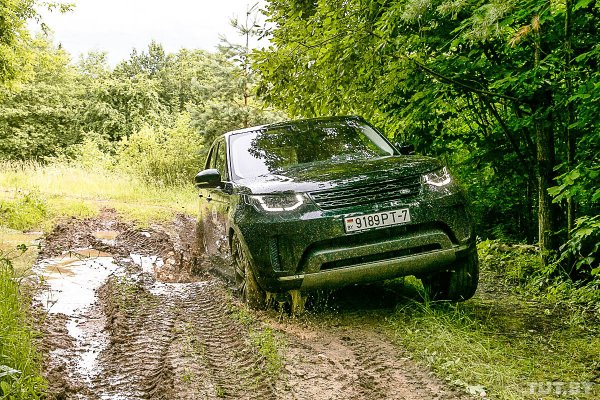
[164, 156]
[25, 212]
[583, 249]
[519, 267]
[92, 154]
[515, 264]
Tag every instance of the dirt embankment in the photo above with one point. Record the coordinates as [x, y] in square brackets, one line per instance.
[158, 326]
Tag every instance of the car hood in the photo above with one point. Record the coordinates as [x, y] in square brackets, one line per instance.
[326, 175]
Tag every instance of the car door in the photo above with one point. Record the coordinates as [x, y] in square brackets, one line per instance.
[214, 208]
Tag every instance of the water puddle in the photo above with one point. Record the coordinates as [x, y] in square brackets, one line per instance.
[70, 291]
[70, 288]
[72, 280]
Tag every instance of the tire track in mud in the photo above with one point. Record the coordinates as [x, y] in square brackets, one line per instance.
[352, 363]
[134, 364]
[386, 375]
[235, 368]
[180, 343]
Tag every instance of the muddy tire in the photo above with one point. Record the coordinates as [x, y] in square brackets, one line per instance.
[459, 283]
[245, 281]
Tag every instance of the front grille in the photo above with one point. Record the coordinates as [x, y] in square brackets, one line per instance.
[370, 193]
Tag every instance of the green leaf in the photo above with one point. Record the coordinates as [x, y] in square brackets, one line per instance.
[582, 4]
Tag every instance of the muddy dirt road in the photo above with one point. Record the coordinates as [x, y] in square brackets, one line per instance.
[128, 313]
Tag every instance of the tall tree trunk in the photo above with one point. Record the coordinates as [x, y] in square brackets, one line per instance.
[545, 170]
[545, 160]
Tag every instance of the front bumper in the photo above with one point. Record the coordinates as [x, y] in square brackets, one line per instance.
[310, 249]
[415, 254]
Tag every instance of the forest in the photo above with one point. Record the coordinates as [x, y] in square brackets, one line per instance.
[505, 92]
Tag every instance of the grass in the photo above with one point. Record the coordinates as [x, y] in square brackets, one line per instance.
[502, 345]
[269, 346]
[20, 375]
[475, 352]
[33, 196]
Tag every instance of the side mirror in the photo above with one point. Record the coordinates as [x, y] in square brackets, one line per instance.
[405, 148]
[209, 179]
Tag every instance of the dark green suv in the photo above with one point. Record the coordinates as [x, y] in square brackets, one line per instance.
[321, 203]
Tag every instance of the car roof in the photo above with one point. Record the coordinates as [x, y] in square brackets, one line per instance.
[297, 122]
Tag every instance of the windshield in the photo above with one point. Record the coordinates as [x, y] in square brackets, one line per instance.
[267, 151]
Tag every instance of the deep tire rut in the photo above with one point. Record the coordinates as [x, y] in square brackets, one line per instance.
[235, 368]
[180, 343]
[135, 365]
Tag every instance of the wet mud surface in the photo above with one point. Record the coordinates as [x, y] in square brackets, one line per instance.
[129, 313]
[353, 361]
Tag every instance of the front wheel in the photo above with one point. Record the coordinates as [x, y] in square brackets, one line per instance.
[459, 283]
[245, 282]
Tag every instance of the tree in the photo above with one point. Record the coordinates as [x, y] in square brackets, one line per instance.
[145, 63]
[482, 84]
[240, 54]
[217, 100]
[15, 54]
[41, 118]
[14, 37]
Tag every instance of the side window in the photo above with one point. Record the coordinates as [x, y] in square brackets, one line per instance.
[212, 155]
[221, 160]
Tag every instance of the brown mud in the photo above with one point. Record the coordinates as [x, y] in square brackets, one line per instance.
[156, 325]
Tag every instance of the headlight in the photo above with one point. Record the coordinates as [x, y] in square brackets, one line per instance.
[277, 202]
[441, 177]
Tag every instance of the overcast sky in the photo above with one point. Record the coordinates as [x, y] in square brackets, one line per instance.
[117, 26]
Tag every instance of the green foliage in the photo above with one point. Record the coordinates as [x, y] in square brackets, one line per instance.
[518, 268]
[39, 118]
[165, 156]
[581, 184]
[14, 38]
[512, 264]
[475, 346]
[584, 247]
[20, 375]
[269, 346]
[148, 64]
[62, 110]
[92, 154]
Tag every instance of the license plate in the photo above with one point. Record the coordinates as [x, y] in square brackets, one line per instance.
[377, 220]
